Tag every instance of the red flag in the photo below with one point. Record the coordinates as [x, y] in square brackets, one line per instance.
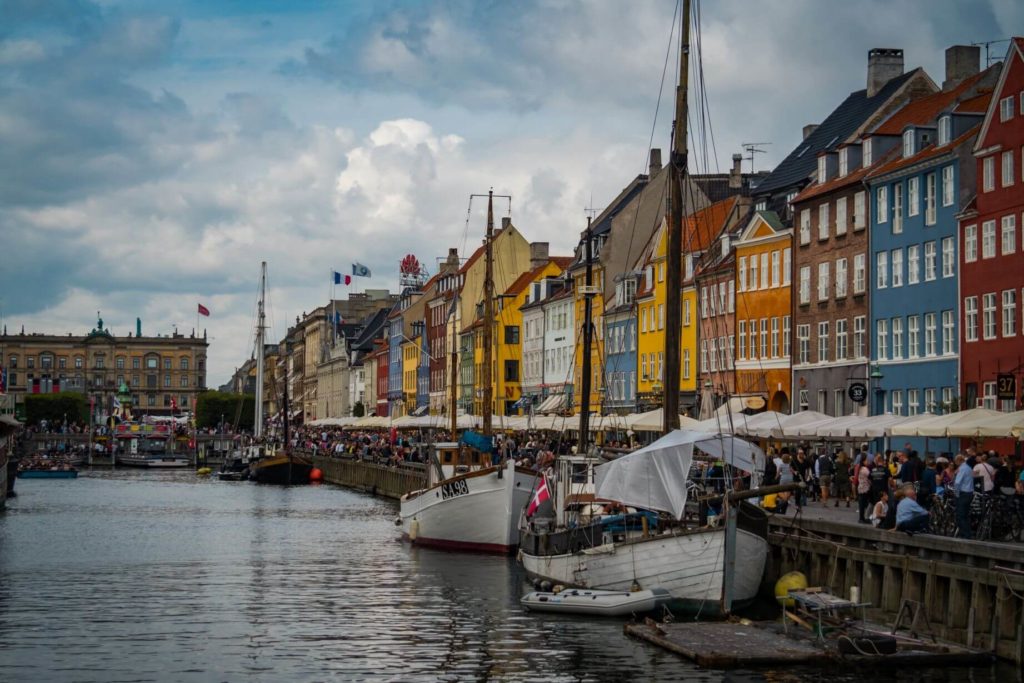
[539, 496]
[348, 279]
[203, 310]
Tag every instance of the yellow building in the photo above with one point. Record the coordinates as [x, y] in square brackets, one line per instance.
[410, 367]
[508, 341]
[650, 310]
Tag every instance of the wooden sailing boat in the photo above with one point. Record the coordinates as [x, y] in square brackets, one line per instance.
[472, 501]
[267, 466]
[708, 562]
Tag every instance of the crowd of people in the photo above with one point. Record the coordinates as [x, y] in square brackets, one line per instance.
[52, 460]
[894, 489]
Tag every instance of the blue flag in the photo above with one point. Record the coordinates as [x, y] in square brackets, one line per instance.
[337, 278]
[359, 270]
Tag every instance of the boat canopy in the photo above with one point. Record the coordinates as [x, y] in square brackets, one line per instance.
[655, 477]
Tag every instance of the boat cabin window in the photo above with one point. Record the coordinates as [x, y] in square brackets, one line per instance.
[580, 473]
[446, 457]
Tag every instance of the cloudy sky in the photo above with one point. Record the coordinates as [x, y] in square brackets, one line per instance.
[153, 153]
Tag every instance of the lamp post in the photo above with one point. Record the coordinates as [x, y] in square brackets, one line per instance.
[876, 378]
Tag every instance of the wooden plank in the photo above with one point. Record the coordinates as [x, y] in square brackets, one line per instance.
[727, 644]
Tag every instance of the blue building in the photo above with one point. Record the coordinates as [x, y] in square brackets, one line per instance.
[916, 192]
[620, 348]
[396, 402]
[423, 369]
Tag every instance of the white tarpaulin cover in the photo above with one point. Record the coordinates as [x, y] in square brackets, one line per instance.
[654, 478]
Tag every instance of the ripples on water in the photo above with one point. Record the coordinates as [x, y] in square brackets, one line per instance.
[162, 576]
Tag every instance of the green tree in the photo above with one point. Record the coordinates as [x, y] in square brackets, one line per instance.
[234, 409]
[358, 410]
[54, 408]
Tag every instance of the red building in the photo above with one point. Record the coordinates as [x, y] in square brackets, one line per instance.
[992, 251]
[380, 355]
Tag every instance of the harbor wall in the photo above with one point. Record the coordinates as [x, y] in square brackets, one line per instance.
[380, 480]
[971, 592]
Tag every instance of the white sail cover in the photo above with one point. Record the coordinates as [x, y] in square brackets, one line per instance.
[654, 478]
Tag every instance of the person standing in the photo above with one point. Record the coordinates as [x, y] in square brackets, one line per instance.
[826, 468]
[863, 471]
[984, 474]
[842, 478]
[963, 487]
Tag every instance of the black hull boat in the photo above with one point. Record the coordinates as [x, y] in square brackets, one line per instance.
[282, 469]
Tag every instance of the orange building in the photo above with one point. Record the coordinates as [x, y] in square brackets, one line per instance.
[763, 310]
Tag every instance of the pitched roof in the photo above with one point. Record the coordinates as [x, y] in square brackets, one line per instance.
[704, 227]
[1016, 46]
[479, 253]
[975, 105]
[816, 190]
[836, 128]
[925, 109]
[929, 152]
[521, 282]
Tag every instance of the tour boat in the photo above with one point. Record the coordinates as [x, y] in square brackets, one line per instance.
[469, 504]
[596, 603]
[48, 474]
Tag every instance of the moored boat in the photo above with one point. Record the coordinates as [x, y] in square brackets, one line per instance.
[595, 602]
[285, 468]
[48, 474]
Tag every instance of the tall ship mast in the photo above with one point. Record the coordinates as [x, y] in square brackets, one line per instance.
[257, 429]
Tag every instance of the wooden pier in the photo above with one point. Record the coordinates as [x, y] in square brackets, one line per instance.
[379, 480]
[970, 592]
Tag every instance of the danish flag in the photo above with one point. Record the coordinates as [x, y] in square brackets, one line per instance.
[539, 496]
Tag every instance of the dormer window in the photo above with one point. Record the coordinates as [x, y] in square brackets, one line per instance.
[866, 152]
[844, 161]
[945, 130]
[908, 143]
[762, 204]
[822, 165]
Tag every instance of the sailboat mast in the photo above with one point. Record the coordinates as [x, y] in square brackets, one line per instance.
[488, 315]
[257, 430]
[453, 406]
[673, 283]
[588, 335]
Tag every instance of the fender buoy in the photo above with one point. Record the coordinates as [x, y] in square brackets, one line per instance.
[316, 474]
[789, 582]
[414, 529]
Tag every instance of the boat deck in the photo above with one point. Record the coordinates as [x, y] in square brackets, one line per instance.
[735, 644]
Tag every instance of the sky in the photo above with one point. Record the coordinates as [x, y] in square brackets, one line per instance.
[153, 153]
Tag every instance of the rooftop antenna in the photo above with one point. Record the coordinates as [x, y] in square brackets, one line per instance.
[988, 44]
[752, 148]
[591, 211]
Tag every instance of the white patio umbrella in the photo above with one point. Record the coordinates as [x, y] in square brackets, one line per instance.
[949, 425]
[1005, 424]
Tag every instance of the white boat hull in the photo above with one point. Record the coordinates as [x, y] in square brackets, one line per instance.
[596, 603]
[690, 566]
[153, 461]
[478, 512]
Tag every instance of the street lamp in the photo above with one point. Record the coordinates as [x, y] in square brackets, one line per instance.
[876, 378]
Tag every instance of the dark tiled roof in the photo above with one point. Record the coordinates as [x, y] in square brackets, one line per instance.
[529, 276]
[716, 185]
[840, 124]
[924, 155]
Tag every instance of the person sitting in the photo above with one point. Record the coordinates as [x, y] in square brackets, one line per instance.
[910, 516]
[880, 510]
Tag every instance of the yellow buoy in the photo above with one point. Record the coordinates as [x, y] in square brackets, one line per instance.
[789, 582]
[203, 471]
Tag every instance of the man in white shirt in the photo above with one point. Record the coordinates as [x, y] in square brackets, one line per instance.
[985, 472]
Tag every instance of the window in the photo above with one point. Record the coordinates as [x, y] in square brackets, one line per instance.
[713, 353]
[837, 405]
[897, 338]
[947, 186]
[988, 309]
[787, 266]
[897, 402]
[167, 363]
[859, 331]
[764, 337]
[858, 211]
[841, 216]
[661, 272]
[775, 269]
[947, 399]
[79, 362]
[703, 310]
[805, 284]
[151, 363]
[823, 341]
[785, 336]
[841, 278]
[703, 362]
[866, 159]
[99, 362]
[805, 226]
[844, 161]
[913, 401]
[929, 334]
[971, 318]
[897, 267]
[913, 336]
[1006, 109]
[752, 331]
[661, 316]
[775, 337]
[913, 264]
[1009, 225]
[511, 334]
[859, 274]
[945, 127]
[1009, 312]
[686, 365]
[929, 261]
[971, 243]
[731, 298]
[135, 363]
[804, 400]
[753, 273]
[686, 312]
[742, 273]
[167, 380]
[822, 167]
[882, 270]
[929, 400]
[823, 221]
[913, 196]
[823, 281]
[989, 396]
[948, 334]
[742, 334]
[988, 239]
[988, 174]
[119, 362]
[823, 400]
[929, 199]
[1007, 170]
[764, 270]
[908, 143]
[948, 257]
[184, 381]
[882, 339]
[62, 363]
[135, 380]
[803, 340]
[841, 339]
[897, 208]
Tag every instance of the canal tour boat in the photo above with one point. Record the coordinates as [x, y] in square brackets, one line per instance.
[468, 504]
[70, 473]
[142, 444]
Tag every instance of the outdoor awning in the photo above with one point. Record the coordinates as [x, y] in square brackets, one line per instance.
[737, 404]
[552, 404]
[422, 410]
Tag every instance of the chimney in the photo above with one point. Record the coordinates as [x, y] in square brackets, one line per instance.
[884, 64]
[809, 128]
[538, 254]
[736, 174]
[655, 164]
[506, 221]
[962, 61]
[138, 327]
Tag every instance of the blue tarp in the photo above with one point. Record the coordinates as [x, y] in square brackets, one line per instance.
[484, 444]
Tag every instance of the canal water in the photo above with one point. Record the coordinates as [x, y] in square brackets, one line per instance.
[163, 576]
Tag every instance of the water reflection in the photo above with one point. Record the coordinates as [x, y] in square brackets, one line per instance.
[149, 576]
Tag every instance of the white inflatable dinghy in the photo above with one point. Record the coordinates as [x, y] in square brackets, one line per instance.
[596, 602]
